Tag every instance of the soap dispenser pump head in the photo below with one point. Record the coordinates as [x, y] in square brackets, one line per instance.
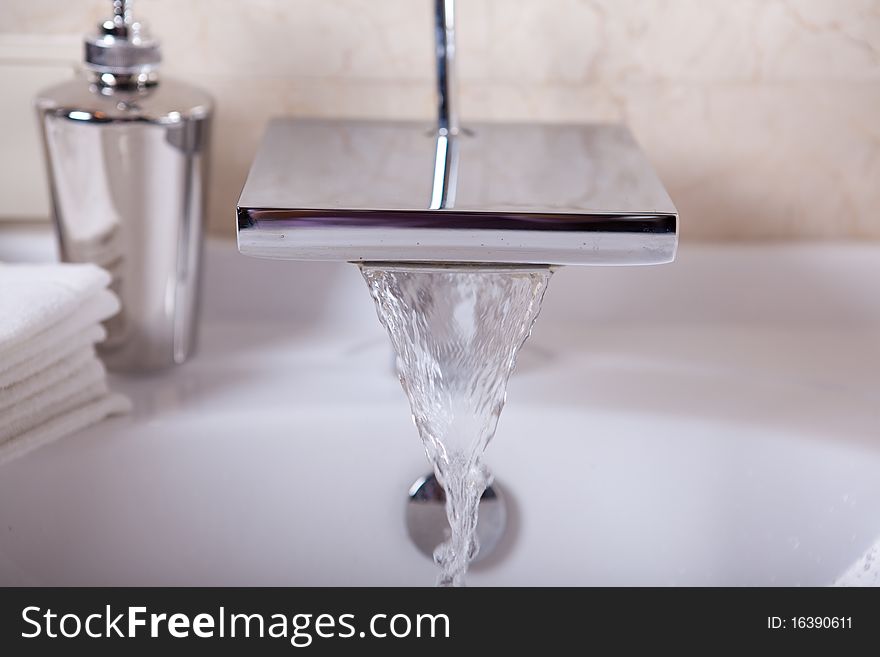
[122, 46]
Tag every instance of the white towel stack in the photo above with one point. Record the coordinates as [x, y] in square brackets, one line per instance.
[51, 382]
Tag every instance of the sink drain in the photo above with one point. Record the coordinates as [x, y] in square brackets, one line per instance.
[426, 517]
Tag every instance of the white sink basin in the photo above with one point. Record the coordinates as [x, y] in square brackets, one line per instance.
[711, 422]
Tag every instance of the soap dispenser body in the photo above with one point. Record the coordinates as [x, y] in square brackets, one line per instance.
[128, 167]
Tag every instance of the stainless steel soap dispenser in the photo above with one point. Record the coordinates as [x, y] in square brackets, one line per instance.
[127, 157]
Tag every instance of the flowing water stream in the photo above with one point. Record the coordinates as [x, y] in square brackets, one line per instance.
[457, 330]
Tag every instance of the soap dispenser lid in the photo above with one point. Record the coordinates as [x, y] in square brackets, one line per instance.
[122, 46]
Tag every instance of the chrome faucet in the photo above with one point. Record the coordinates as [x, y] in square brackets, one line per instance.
[402, 191]
[444, 35]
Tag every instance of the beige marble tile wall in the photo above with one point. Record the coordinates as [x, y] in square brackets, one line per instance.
[762, 116]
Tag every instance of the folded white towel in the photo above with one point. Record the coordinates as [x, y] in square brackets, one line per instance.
[85, 384]
[45, 378]
[35, 297]
[47, 339]
[82, 417]
[51, 382]
[81, 340]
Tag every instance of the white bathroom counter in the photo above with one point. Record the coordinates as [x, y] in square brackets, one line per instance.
[711, 422]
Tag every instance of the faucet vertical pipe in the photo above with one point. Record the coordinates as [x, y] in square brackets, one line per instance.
[444, 32]
[446, 156]
[445, 178]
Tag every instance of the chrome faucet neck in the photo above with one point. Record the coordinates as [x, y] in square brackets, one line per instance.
[447, 92]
